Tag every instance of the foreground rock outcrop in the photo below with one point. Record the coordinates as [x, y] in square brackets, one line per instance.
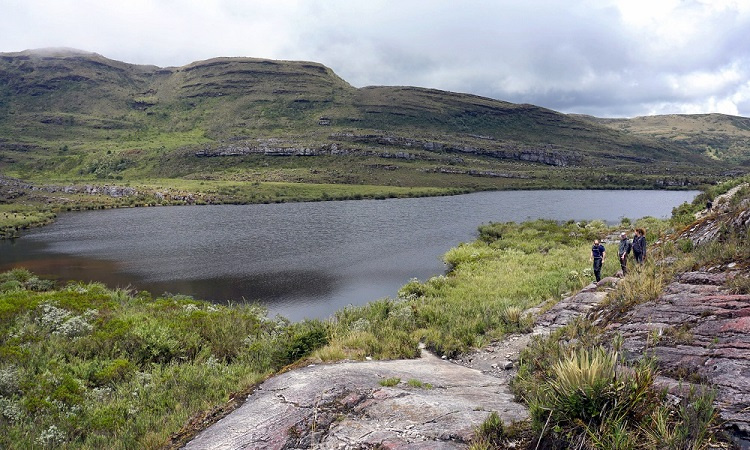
[434, 405]
[437, 404]
[698, 332]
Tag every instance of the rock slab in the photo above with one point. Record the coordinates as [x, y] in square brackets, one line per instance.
[698, 332]
[436, 405]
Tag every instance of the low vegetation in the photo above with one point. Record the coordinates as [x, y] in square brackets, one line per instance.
[85, 366]
[14, 218]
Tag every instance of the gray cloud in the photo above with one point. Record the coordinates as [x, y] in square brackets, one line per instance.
[613, 58]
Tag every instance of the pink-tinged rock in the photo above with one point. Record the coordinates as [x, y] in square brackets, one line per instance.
[740, 325]
[705, 335]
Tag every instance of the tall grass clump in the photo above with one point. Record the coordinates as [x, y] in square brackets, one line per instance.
[590, 399]
[644, 283]
[490, 434]
[586, 387]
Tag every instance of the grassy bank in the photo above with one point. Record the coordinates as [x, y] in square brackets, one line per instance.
[85, 366]
[89, 367]
[583, 394]
[15, 218]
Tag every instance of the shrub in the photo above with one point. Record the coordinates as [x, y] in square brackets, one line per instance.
[690, 424]
[739, 284]
[38, 284]
[412, 290]
[579, 387]
[9, 381]
[19, 274]
[466, 253]
[11, 285]
[685, 245]
[512, 315]
[113, 372]
[492, 232]
[596, 229]
[306, 336]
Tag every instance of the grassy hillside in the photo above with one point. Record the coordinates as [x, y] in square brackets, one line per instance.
[70, 116]
[718, 136]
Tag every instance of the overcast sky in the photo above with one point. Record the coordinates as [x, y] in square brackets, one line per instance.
[608, 58]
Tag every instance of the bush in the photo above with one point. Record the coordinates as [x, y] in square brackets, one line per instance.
[306, 336]
[11, 285]
[412, 290]
[113, 372]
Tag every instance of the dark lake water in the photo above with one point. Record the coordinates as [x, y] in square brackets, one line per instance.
[298, 259]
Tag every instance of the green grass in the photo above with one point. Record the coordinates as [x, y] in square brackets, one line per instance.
[14, 218]
[481, 299]
[85, 366]
[390, 382]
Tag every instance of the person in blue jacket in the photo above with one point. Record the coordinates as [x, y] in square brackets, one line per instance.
[598, 253]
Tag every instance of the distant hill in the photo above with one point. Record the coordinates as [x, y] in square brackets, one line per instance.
[71, 114]
[719, 136]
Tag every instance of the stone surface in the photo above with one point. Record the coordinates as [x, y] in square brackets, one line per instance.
[576, 305]
[344, 405]
[698, 332]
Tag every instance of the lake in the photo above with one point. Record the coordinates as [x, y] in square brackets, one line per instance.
[297, 259]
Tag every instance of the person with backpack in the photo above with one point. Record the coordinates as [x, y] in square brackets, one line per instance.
[598, 253]
[639, 245]
[623, 251]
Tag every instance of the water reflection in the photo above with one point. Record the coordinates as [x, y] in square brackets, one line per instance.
[298, 259]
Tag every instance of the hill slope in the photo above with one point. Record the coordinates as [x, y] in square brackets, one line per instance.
[70, 114]
[719, 136]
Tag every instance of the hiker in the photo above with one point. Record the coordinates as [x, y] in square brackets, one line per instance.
[623, 251]
[639, 245]
[598, 253]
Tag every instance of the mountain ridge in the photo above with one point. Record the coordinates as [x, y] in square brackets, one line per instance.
[95, 109]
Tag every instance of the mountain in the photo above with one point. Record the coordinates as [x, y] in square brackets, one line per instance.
[70, 114]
